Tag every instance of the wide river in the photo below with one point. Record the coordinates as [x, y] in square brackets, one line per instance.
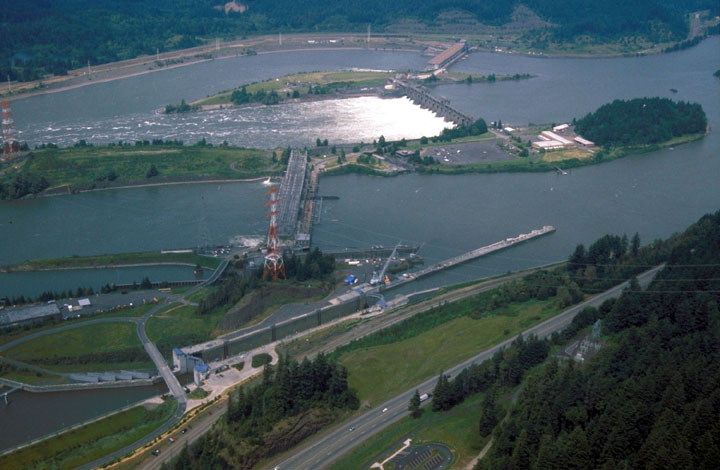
[654, 194]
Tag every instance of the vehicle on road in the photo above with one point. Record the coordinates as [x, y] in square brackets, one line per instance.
[155, 452]
[172, 439]
[352, 428]
[425, 396]
[384, 410]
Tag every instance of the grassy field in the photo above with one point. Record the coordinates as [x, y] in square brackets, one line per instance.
[89, 167]
[456, 429]
[377, 373]
[92, 345]
[146, 257]
[182, 325]
[357, 79]
[90, 442]
[13, 333]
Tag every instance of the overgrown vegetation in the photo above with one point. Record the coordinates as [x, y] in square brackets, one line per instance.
[641, 121]
[291, 403]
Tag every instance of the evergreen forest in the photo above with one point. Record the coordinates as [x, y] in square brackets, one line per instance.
[292, 402]
[650, 399]
[641, 121]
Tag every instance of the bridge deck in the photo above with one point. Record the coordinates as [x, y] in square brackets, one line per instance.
[290, 194]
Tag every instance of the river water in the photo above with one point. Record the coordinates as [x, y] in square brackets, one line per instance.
[654, 194]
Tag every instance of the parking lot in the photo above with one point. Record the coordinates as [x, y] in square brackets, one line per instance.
[465, 153]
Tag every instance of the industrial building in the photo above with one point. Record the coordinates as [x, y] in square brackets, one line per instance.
[448, 56]
[548, 145]
[558, 138]
[585, 142]
[18, 315]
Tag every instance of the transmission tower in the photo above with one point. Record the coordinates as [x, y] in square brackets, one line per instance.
[273, 260]
[11, 147]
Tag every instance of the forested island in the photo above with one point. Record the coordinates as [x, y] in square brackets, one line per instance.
[642, 121]
[42, 38]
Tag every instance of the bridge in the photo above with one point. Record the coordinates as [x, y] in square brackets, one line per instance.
[423, 98]
[290, 194]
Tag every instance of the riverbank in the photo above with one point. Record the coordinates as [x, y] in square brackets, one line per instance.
[269, 44]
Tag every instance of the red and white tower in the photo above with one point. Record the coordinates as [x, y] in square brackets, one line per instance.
[10, 144]
[273, 260]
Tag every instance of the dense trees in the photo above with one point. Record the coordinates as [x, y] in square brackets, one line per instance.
[650, 399]
[641, 121]
[273, 415]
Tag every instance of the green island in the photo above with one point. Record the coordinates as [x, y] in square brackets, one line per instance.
[318, 85]
[86, 167]
[89, 442]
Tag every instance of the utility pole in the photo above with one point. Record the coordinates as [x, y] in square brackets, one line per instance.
[217, 44]
[88, 68]
[280, 37]
[157, 54]
[368, 35]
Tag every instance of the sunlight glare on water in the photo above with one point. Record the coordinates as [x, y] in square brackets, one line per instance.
[296, 124]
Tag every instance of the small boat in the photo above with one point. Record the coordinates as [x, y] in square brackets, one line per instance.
[674, 90]
[267, 182]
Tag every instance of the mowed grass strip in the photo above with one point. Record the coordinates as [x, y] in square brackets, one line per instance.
[90, 442]
[458, 429]
[87, 166]
[116, 259]
[85, 340]
[380, 372]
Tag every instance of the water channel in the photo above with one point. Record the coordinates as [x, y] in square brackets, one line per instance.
[654, 194]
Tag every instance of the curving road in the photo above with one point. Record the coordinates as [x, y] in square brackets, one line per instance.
[328, 448]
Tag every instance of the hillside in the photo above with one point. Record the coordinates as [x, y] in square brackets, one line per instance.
[45, 37]
[650, 398]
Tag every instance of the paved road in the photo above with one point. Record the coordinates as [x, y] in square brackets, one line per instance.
[325, 450]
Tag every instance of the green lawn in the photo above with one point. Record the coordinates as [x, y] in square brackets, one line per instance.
[88, 443]
[90, 348]
[87, 167]
[181, 325]
[380, 372]
[456, 429]
[115, 259]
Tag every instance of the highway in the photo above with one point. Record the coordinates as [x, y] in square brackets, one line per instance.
[321, 452]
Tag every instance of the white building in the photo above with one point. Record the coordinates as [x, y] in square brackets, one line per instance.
[557, 138]
[585, 142]
[548, 145]
[560, 128]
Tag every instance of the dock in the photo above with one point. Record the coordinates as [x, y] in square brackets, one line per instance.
[474, 254]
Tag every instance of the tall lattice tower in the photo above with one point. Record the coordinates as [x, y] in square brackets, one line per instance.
[273, 260]
[11, 147]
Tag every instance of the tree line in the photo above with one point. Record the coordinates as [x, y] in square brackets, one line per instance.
[641, 121]
[259, 420]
